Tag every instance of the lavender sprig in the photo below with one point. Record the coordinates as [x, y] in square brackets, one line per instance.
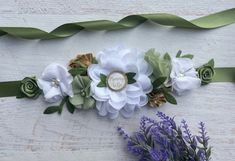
[165, 141]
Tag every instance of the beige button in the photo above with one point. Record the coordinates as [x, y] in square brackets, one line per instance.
[117, 81]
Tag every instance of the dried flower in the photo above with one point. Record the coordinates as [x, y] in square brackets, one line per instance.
[82, 61]
[156, 99]
[165, 141]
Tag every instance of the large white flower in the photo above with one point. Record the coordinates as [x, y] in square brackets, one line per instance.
[55, 82]
[183, 76]
[115, 63]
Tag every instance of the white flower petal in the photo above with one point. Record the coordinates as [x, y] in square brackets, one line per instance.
[94, 71]
[113, 115]
[145, 82]
[185, 83]
[53, 95]
[133, 90]
[102, 108]
[143, 100]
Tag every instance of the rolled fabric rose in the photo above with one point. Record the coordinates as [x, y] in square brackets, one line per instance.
[206, 72]
[29, 87]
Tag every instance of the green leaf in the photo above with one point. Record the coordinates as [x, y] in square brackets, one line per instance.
[167, 57]
[89, 103]
[170, 98]
[70, 107]
[130, 75]
[131, 81]
[178, 54]
[102, 82]
[161, 66]
[52, 109]
[76, 100]
[211, 63]
[190, 56]
[103, 77]
[158, 82]
[77, 71]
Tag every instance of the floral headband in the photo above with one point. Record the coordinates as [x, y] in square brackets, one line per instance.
[117, 80]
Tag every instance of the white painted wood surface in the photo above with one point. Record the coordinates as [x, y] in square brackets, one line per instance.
[27, 134]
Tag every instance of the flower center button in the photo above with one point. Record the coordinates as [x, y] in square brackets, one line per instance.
[117, 81]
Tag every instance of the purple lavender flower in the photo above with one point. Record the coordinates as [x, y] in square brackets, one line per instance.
[165, 141]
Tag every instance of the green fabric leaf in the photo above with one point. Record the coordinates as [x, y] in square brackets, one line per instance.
[178, 55]
[158, 82]
[103, 79]
[211, 63]
[170, 98]
[190, 56]
[130, 77]
[77, 71]
[70, 107]
[76, 100]
[52, 109]
[89, 103]
[161, 66]
[80, 83]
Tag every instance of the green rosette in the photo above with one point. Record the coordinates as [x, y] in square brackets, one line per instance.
[206, 72]
[29, 88]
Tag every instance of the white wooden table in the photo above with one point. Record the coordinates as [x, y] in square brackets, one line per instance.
[27, 134]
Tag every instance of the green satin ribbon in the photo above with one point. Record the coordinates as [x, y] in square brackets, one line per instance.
[12, 88]
[8, 89]
[224, 75]
[207, 22]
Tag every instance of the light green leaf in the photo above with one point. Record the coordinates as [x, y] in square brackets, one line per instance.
[89, 103]
[76, 100]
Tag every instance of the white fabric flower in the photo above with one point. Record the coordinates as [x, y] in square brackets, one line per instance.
[110, 102]
[183, 76]
[55, 83]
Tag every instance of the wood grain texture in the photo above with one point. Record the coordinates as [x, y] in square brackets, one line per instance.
[27, 134]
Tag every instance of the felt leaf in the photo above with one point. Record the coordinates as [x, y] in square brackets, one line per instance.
[52, 109]
[170, 98]
[131, 81]
[158, 82]
[130, 75]
[103, 77]
[102, 82]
